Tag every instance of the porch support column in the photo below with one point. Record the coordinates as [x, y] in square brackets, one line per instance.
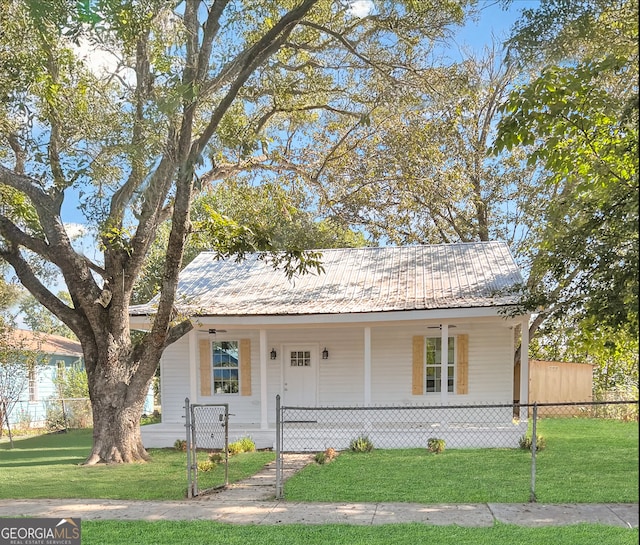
[264, 405]
[444, 363]
[193, 366]
[524, 361]
[367, 366]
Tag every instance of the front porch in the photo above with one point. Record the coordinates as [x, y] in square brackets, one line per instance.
[312, 429]
[165, 435]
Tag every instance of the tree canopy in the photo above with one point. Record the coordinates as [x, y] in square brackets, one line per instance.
[134, 108]
[581, 117]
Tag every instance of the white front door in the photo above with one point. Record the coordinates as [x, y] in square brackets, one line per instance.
[300, 375]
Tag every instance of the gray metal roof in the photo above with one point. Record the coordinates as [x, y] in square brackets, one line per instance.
[355, 280]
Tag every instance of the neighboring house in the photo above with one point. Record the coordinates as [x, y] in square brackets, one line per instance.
[368, 331]
[55, 355]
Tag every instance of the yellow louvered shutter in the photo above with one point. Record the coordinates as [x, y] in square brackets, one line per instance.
[245, 367]
[462, 370]
[418, 366]
[205, 368]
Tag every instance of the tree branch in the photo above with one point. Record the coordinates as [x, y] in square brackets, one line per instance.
[30, 281]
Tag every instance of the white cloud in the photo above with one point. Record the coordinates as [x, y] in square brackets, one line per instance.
[360, 8]
[100, 62]
[76, 230]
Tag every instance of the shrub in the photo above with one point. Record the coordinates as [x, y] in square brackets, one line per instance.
[526, 442]
[326, 456]
[55, 418]
[321, 458]
[216, 457]
[206, 466]
[436, 445]
[180, 444]
[245, 444]
[361, 444]
[76, 414]
[330, 453]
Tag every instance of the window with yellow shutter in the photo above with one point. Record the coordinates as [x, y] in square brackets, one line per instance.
[427, 365]
[433, 361]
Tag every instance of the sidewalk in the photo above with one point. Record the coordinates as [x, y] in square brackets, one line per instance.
[251, 502]
[281, 512]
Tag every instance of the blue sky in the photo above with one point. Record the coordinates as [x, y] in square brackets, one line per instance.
[492, 21]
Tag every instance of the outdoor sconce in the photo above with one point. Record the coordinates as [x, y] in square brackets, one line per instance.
[274, 355]
[325, 354]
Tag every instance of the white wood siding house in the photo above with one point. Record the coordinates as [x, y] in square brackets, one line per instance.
[365, 332]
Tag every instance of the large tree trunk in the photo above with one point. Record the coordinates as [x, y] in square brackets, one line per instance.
[116, 431]
[118, 386]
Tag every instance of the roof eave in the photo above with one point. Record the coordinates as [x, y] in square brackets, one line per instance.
[497, 311]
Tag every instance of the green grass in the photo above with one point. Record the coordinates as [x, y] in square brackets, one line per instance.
[585, 461]
[596, 457]
[192, 532]
[48, 466]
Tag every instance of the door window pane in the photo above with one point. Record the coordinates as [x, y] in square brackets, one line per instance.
[300, 358]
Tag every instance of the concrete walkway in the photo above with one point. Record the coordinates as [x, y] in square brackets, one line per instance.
[252, 502]
[281, 512]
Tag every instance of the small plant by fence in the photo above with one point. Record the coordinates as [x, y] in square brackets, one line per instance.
[454, 427]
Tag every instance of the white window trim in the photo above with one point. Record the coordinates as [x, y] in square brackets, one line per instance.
[438, 390]
[213, 368]
[33, 385]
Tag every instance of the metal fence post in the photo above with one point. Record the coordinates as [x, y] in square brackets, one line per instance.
[194, 452]
[64, 414]
[226, 445]
[278, 451]
[187, 425]
[534, 448]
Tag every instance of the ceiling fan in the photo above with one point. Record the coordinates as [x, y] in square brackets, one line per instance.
[212, 331]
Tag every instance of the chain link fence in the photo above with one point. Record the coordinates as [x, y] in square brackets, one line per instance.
[316, 429]
[53, 414]
[207, 430]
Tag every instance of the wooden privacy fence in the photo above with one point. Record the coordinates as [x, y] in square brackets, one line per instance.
[557, 382]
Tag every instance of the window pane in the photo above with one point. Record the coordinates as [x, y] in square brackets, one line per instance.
[433, 379]
[433, 362]
[451, 343]
[225, 367]
[432, 346]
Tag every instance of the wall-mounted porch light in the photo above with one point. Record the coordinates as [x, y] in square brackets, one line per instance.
[325, 354]
[274, 354]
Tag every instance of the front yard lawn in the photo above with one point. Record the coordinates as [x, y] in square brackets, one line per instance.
[585, 461]
[48, 466]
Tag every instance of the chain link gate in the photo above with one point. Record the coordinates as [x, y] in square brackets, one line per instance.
[207, 428]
